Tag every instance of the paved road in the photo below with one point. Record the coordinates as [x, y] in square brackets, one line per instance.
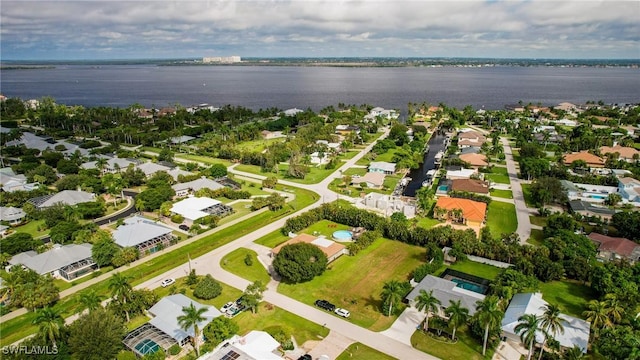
[522, 212]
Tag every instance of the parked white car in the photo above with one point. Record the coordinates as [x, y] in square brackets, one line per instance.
[343, 312]
[167, 282]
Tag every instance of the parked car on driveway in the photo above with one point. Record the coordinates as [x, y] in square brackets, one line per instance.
[167, 282]
[324, 304]
[183, 227]
[226, 306]
[343, 312]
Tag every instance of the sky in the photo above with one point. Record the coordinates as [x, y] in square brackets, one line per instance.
[79, 30]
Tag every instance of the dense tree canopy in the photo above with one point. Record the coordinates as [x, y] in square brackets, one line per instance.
[300, 262]
[96, 335]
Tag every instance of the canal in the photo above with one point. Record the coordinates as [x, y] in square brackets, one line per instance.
[436, 143]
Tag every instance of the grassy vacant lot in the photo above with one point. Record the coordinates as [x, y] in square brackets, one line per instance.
[360, 351]
[507, 194]
[536, 237]
[21, 326]
[477, 269]
[501, 218]
[497, 178]
[355, 282]
[499, 170]
[203, 159]
[538, 220]
[228, 293]
[315, 175]
[355, 171]
[272, 239]
[269, 317]
[572, 297]
[234, 263]
[322, 227]
[257, 145]
[241, 208]
[466, 348]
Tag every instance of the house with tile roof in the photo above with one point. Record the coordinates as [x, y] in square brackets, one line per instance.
[470, 185]
[332, 249]
[66, 262]
[468, 212]
[576, 331]
[372, 179]
[615, 248]
[592, 161]
[475, 160]
[626, 153]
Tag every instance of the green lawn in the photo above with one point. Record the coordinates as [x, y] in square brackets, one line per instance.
[204, 159]
[360, 351]
[137, 321]
[536, 237]
[499, 170]
[241, 209]
[466, 348]
[228, 293]
[572, 297]
[234, 263]
[314, 176]
[506, 194]
[526, 192]
[272, 239]
[355, 282]
[268, 317]
[497, 178]
[538, 220]
[484, 271]
[427, 222]
[355, 171]
[32, 228]
[501, 218]
[20, 326]
[322, 227]
[257, 145]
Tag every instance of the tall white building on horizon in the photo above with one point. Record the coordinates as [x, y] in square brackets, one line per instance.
[222, 59]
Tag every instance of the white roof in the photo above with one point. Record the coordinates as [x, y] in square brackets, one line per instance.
[150, 168]
[461, 173]
[322, 242]
[195, 185]
[291, 112]
[181, 139]
[167, 310]
[191, 208]
[386, 166]
[54, 259]
[11, 213]
[136, 233]
[259, 345]
[111, 164]
[66, 197]
[576, 331]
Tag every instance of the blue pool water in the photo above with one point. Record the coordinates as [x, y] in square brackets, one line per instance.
[147, 346]
[443, 188]
[470, 286]
[342, 235]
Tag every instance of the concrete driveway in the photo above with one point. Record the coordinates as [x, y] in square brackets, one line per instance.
[403, 328]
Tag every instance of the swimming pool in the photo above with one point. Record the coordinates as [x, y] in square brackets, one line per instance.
[463, 284]
[147, 346]
[443, 188]
[343, 235]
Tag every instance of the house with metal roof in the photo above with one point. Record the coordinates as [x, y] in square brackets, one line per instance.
[184, 189]
[194, 208]
[576, 331]
[11, 181]
[445, 291]
[146, 236]
[163, 330]
[65, 197]
[382, 167]
[12, 215]
[255, 345]
[67, 262]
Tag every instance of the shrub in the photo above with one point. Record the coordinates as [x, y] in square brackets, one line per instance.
[177, 218]
[208, 288]
[300, 262]
[248, 260]
[174, 349]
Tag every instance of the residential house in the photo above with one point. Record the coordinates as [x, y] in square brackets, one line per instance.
[256, 345]
[576, 331]
[292, 112]
[387, 204]
[316, 159]
[183, 139]
[331, 146]
[587, 209]
[471, 213]
[629, 188]
[587, 192]
[184, 189]
[146, 236]
[470, 150]
[194, 208]
[566, 122]
[112, 165]
[460, 174]
[470, 185]
[347, 129]
[11, 181]
[592, 161]
[65, 197]
[382, 167]
[467, 138]
[164, 330]
[32, 141]
[627, 154]
[372, 179]
[267, 135]
[615, 248]
[66, 262]
[475, 160]
[381, 112]
[12, 215]
[445, 291]
[176, 172]
[549, 138]
[149, 168]
[332, 249]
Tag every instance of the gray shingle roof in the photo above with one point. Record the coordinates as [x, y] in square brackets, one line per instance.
[446, 291]
[167, 310]
[54, 259]
[137, 233]
[66, 197]
[195, 185]
[11, 213]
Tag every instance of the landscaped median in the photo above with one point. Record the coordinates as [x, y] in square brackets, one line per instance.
[21, 326]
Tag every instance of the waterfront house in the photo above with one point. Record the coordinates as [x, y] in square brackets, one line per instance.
[615, 248]
[460, 174]
[587, 209]
[592, 161]
[12, 215]
[468, 212]
[146, 236]
[470, 185]
[292, 112]
[372, 179]
[332, 249]
[445, 291]
[629, 188]
[475, 160]
[576, 331]
[387, 204]
[382, 167]
[66, 262]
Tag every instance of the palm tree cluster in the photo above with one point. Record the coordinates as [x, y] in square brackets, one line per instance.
[549, 325]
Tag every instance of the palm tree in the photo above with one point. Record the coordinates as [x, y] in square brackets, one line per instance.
[457, 314]
[49, 324]
[90, 300]
[425, 301]
[120, 289]
[574, 353]
[614, 310]
[392, 293]
[489, 315]
[551, 322]
[190, 318]
[528, 325]
[597, 314]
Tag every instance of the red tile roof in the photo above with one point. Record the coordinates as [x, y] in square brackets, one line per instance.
[470, 185]
[620, 246]
[590, 159]
[471, 210]
[474, 159]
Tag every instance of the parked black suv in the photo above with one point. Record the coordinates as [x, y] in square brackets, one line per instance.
[325, 305]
